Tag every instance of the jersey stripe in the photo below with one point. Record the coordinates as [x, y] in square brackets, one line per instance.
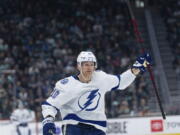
[75, 117]
[115, 88]
[46, 103]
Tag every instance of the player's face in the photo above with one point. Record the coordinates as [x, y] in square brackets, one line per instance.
[87, 68]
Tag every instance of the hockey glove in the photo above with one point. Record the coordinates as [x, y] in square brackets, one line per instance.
[49, 126]
[142, 62]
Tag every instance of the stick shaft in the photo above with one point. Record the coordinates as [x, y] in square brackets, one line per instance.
[140, 41]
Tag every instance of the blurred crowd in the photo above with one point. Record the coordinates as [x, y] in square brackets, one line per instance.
[40, 41]
[171, 13]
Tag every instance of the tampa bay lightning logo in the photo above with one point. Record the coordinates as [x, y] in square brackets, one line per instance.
[89, 101]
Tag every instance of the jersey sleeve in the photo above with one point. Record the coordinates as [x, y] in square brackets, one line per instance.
[31, 116]
[13, 116]
[126, 79]
[120, 82]
[58, 97]
[110, 82]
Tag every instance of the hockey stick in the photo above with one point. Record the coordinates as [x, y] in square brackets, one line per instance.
[140, 41]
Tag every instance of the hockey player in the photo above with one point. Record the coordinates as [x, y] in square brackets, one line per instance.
[20, 118]
[80, 98]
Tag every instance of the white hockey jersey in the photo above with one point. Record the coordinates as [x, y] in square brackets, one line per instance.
[20, 116]
[84, 102]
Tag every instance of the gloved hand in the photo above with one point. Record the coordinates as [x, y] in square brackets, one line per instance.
[49, 126]
[142, 62]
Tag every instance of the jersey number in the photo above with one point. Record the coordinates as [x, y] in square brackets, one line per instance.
[55, 93]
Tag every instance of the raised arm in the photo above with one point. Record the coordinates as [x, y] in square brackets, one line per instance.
[139, 67]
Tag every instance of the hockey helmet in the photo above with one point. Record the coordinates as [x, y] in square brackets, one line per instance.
[86, 56]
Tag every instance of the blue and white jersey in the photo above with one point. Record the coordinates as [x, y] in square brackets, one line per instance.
[20, 116]
[84, 102]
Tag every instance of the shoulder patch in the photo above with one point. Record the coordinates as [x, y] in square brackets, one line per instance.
[64, 81]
